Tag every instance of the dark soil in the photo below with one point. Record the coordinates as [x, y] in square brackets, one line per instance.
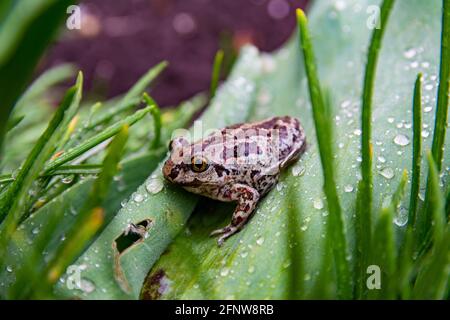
[119, 40]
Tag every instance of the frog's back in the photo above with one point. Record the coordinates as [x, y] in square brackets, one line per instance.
[284, 134]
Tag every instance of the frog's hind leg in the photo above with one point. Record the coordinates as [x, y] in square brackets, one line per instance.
[247, 198]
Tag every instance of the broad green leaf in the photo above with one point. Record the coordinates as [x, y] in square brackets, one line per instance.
[255, 264]
[118, 271]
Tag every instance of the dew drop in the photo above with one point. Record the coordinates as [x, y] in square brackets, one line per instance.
[67, 180]
[155, 185]
[318, 204]
[410, 53]
[260, 241]
[401, 140]
[9, 269]
[87, 286]
[298, 171]
[402, 217]
[348, 188]
[138, 197]
[381, 159]
[224, 272]
[425, 133]
[387, 172]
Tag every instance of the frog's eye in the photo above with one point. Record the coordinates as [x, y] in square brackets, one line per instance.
[199, 164]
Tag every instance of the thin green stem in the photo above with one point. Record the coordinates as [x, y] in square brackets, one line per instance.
[440, 125]
[217, 67]
[365, 197]
[95, 140]
[156, 114]
[417, 150]
[323, 132]
[443, 91]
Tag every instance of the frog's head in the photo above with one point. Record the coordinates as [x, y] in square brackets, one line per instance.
[188, 166]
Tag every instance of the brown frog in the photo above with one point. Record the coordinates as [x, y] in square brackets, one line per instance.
[238, 163]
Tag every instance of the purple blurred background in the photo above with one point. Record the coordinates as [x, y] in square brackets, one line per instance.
[119, 40]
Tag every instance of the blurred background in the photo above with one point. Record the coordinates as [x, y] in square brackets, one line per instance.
[120, 40]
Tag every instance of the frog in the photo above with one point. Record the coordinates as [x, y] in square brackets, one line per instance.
[240, 163]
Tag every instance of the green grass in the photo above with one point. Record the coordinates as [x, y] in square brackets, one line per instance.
[441, 121]
[217, 68]
[364, 228]
[322, 119]
[96, 167]
[417, 150]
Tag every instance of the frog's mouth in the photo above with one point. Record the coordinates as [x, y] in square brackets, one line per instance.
[194, 183]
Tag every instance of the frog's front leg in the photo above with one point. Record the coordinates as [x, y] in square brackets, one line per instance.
[247, 198]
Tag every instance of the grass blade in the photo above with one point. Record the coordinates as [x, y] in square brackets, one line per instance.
[322, 121]
[14, 199]
[443, 91]
[77, 169]
[217, 67]
[138, 89]
[91, 217]
[95, 140]
[433, 278]
[383, 254]
[440, 125]
[42, 150]
[44, 82]
[364, 228]
[437, 203]
[24, 35]
[109, 113]
[156, 114]
[14, 122]
[296, 254]
[417, 151]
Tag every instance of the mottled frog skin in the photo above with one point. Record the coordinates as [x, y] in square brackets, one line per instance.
[239, 163]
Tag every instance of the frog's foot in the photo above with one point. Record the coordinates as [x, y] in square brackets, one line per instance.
[225, 233]
[247, 198]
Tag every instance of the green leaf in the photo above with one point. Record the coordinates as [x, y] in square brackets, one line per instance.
[417, 150]
[364, 229]
[432, 280]
[195, 268]
[14, 201]
[17, 192]
[159, 209]
[156, 114]
[24, 34]
[384, 256]
[322, 119]
[441, 119]
[91, 217]
[217, 67]
[95, 140]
